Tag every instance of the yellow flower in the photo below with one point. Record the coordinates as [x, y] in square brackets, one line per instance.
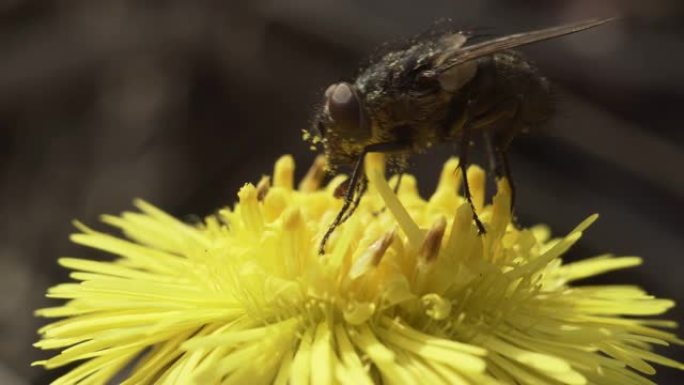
[407, 295]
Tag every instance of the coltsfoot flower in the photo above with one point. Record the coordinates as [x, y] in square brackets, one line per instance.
[407, 295]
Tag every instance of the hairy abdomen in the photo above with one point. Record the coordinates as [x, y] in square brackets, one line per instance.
[509, 95]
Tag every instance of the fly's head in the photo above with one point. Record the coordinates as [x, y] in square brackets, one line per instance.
[341, 125]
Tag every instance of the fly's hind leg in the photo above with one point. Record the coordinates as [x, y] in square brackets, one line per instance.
[498, 163]
[501, 113]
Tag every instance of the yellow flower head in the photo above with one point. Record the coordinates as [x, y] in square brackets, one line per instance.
[410, 294]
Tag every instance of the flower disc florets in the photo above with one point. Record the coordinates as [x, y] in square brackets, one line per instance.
[406, 293]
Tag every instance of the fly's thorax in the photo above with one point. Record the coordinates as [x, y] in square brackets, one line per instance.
[408, 116]
[407, 98]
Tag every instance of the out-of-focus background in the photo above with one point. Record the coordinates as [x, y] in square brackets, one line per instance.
[180, 102]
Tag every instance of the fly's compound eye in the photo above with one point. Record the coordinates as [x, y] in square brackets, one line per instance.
[346, 111]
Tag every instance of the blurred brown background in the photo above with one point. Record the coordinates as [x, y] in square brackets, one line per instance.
[180, 102]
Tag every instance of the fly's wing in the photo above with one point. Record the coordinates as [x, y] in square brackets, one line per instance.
[471, 52]
[447, 46]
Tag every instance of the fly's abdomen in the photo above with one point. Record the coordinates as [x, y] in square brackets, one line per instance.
[507, 96]
[518, 78]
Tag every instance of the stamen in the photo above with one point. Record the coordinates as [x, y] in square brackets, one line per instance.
[450, 178]
[433, 240]
[262, 187]
[289, 249]
[460, 238]
[372, 256]
[379, 247]
[249, 208]
[292, 219]
[501, 208]
[283, 174]
[274, 204]
[476, 181]
[313, 178]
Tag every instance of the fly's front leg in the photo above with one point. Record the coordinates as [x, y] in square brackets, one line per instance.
[348, 200]
[363, 186]
[357, 183]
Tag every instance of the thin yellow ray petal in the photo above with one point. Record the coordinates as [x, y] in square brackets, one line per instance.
[300, 372]
[394, 325]
[381, 356]
[418, 369]
[154, 361]
[350, 357]
[91, 366]
[285, 369]
[233, 337]
[595, 266]
[322, 360]
[465, 362]
[150, 259]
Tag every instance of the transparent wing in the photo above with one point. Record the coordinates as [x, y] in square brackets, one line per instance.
[489, 47]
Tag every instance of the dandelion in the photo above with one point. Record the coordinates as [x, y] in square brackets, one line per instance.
[404, 295]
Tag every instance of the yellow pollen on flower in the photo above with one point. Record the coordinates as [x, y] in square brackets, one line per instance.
[411, 294]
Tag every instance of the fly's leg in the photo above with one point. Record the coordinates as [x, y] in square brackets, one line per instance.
[503, 159]
[348, 200]
[499, 165]
[396, 186]
[362, 187]
[357, 182]
[463, 165]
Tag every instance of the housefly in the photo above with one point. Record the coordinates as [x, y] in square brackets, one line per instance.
[442, 89]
